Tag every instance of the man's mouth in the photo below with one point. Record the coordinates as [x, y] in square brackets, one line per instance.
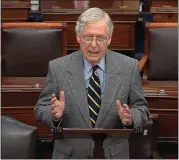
[92, 52]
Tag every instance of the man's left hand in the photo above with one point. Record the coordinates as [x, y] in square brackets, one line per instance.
[124, 113]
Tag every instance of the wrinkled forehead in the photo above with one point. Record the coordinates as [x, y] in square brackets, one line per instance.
[96, 28]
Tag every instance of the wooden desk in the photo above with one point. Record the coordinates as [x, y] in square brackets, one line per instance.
[20, 105]
[164, 10]
[165, 104]
[15, 11]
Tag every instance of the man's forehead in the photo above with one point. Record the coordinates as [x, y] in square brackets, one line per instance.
[99, 23]
[98, 28]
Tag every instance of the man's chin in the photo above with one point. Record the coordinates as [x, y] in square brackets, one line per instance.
[94, 60]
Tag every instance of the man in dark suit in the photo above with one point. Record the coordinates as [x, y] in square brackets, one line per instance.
[92, 87]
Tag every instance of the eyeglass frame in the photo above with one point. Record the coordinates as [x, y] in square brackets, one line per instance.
[92, 38]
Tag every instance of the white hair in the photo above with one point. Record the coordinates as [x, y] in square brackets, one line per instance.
[93, 15]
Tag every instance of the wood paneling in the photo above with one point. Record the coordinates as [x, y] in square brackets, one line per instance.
[123, 35]
[166, 106]
[123, 13]
[165, 17]
[15, 11]
[164, 10]
[164, 3]
[19, 103]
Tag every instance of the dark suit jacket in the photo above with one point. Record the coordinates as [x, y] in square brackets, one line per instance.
[122, 83]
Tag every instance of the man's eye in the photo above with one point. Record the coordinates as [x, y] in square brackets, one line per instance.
[101, 38]
[89, 37]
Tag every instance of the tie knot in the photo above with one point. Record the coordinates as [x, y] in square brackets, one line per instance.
[95, 68]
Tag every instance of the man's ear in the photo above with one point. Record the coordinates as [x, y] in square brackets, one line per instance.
[78, 38]
[109, 40]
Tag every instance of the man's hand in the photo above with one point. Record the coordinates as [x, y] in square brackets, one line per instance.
[124, 113]
[57, 106]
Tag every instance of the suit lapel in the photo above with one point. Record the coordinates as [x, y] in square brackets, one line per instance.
[76, 81]
[112, 84]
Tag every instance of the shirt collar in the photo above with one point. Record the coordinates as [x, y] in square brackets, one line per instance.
[88, 66]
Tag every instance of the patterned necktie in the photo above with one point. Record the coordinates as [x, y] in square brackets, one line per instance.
[94, 96]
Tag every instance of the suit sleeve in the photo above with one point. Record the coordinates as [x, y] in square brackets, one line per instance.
[42, 108]
[137, 102]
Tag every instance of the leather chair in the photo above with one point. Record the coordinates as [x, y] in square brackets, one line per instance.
[159, 69]
[160, 60]
[18, 140]
[28, 47]
[143, 142]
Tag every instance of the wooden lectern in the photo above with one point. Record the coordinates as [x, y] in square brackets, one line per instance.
[98, 135]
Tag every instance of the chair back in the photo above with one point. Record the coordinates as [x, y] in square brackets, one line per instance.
[28, 47]
[161, 46]
[18, 140]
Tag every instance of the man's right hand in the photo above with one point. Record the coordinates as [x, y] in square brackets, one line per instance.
[57, 106]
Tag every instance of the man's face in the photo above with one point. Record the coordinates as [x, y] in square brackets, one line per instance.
[94, 41]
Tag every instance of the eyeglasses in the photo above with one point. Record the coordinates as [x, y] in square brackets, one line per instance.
[99, 39]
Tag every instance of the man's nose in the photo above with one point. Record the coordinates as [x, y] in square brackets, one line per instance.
[94, 43]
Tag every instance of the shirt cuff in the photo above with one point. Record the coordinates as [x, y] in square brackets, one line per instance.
[56, 123]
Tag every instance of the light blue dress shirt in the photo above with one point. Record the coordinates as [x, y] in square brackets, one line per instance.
[101, 71]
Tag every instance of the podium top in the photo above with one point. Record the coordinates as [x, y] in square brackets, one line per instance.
[91, 130]
[60, 132]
